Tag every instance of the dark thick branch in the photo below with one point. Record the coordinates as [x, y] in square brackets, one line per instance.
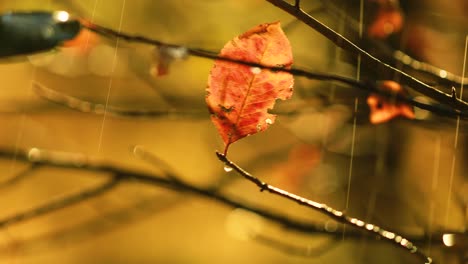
[383, 51]
[80, 162]
[460, 107]
[349, 46]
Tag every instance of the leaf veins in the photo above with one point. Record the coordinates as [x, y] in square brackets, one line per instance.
[239, 96]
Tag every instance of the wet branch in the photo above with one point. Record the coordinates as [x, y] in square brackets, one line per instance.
[339, 216]
[98, 108]
[18, 176]
[349, 46]
[119, 175]
[452, 106]
[59, 203]
[409, 63]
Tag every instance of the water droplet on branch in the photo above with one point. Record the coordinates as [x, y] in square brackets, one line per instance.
[227, 168]
[164, 56]
[34, 154]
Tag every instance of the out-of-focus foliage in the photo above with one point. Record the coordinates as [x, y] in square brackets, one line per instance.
[405, 175]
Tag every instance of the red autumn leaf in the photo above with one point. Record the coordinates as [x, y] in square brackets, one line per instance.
[383, 110]
[239, 96]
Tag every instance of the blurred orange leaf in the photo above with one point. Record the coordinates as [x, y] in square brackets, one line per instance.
[389, 20]
[383, 110]
[239, 96]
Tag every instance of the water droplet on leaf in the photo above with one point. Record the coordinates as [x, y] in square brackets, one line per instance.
[259, 127]
[227, 168]
[255, 70]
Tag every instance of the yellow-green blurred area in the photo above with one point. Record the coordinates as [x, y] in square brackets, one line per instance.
[406, 176]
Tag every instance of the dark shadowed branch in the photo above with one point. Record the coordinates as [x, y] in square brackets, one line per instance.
[349, 46]
[454, 107]
[59, 203]
[45, 158]
[382, 50]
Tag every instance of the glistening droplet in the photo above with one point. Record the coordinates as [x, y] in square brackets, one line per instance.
[255, 70]
[227, 168]
[268, 121]
[34, 154]
[259, 127]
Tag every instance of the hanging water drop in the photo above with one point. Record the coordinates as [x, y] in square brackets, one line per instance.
[268, 121]
[227, 168]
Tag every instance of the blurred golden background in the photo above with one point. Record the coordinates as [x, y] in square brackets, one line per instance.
[407, 176]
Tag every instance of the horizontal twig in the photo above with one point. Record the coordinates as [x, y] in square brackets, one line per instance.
[59, 203]
[98, 108]
[80, 162]
[369, 87]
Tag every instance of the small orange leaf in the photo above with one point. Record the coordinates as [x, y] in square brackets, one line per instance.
[239, 96]
[382, 110]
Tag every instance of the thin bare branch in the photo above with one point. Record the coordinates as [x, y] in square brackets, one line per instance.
[18, 176]
[105, 222]
[384, 52]
[339, 216]
[59, 203]
[77, 161]
[370, 87]
[97, 108]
